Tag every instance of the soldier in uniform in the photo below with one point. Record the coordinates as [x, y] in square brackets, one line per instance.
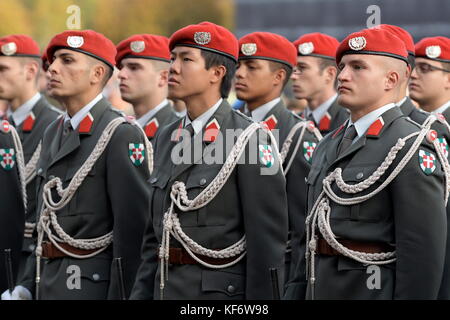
[314, 79]
[143, 61]
[13, 200]
[430, 87]
[29, 112]
[215, 229]
[370, 182]
[264, 67]
[86, 215]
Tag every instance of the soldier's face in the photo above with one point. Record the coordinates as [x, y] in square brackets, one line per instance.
[308, 80]
[255, 80]
[12, 77]
[69, 74]
[361, 81]
[428, 85]
[187, 74]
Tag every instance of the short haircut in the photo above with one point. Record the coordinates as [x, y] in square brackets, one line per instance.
[215, 59]
[325, 63]
[108, 70]
[274, 66]
[446, 66]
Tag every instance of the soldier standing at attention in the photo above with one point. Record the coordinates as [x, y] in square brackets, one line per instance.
[29, 112]
[92, 172]
[314, 79]
[144, 61]
[216, 229]
[370, 182]
[264, 67]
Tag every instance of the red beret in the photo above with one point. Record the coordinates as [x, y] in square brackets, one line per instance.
[19, 45]
[268, 46]
[207, 36]
[317, 44]
[404, 35]
[88, 42]
[146, 46]
[373, 41]
[434, 48]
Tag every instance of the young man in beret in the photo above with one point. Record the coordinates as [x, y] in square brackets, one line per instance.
[265, 65]
[101, 216]
[143, 61]
[367, 235]
[224, 244]
[29, 112]
[314, 79]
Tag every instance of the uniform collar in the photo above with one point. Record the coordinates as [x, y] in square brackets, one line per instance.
[401, 101]
[24, 110]
[200, 121]
[79, 116]
[362, 124]
[442, 108]
[260, 112]
[142, 121]
[321, 110]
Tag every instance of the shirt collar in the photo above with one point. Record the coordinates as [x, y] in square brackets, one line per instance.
[200, 121]
[79, 116]
[24, 110]
[260, 112]
[442, 108]
[320, 111]
[142, 121]
[362, 124]
[401, 102]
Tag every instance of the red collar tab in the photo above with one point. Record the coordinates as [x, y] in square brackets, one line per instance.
[271, 122]
[211, 131]
[375, 128]
[325, 122]
[28, 124]
[86, 124]
[151, 128]
[177, 134]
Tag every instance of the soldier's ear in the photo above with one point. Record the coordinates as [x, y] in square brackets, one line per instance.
[392, 80]
[218, 73]
[98, 73]
[163, 78]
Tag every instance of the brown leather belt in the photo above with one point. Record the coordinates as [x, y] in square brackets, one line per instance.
[367, 247]
[180, 256]
[51, 252]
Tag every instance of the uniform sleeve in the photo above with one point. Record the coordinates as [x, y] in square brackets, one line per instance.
[264, 206]
[420, 230]
[128, 193]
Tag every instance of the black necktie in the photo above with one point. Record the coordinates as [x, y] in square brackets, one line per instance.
[190, 129]
[346, 142]
[310, 117]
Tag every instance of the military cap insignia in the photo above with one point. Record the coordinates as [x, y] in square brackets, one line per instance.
[86, 124]
[75, 41]
[306, 48]
[137, 46]
[271, 122]
[8, 49]
[202, 38]
[427, 162]
[5, 127]
[211, 131]
[7, 158]
[433, 52]
[266, 155]
[151, 128]
[28, 124]
[444, 145]
[136, 152]
[325, 122]
[249, 49]
[308, 149]
[357, 43]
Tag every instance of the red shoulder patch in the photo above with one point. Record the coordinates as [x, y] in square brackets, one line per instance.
[86, 124]
[151, 128]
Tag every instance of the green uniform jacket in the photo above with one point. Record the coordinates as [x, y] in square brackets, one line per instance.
[113, 196]
[249, 203]
[408, 214]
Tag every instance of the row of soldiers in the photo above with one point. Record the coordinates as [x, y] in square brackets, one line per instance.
[98, 205]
